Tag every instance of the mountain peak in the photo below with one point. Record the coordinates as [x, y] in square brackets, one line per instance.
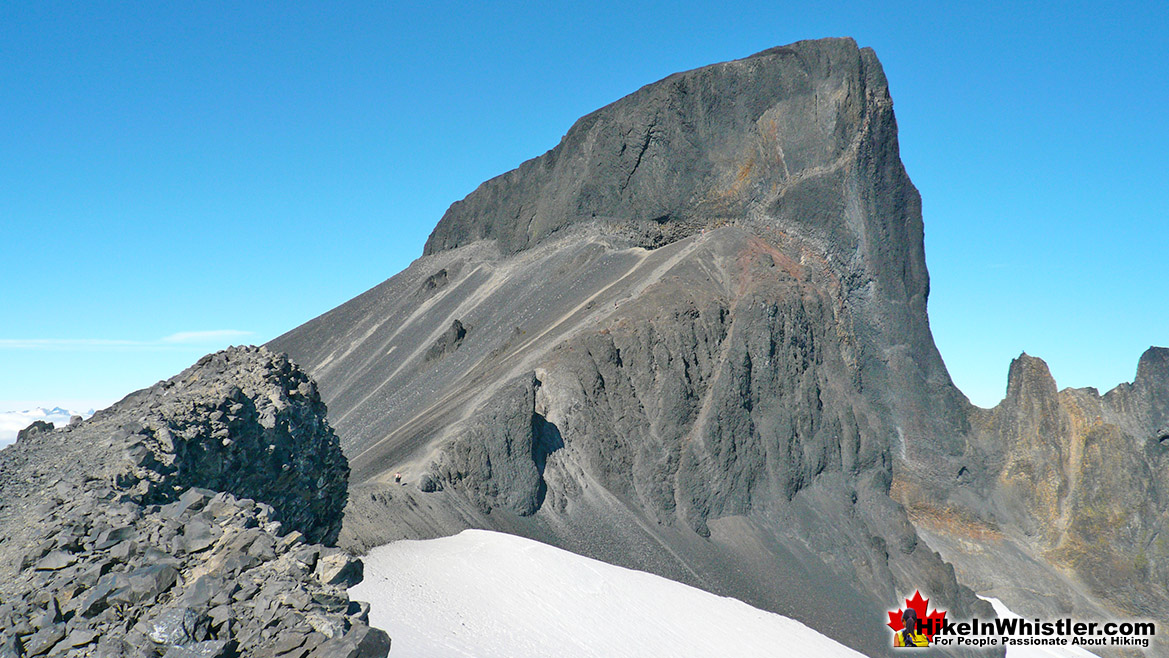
[1030, 376]
[1153, 367]
[708, 298]
[744, 138]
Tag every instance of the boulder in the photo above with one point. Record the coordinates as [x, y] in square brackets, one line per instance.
[340, 569]
[35, 427]
[360, 642]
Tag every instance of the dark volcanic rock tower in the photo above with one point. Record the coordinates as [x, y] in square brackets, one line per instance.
[691, 339]
[185, 521]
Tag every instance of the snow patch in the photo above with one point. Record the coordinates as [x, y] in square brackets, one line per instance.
[492, 595]
[1004, 612]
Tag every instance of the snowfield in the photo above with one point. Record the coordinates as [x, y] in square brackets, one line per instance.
[487, 594]
[1001, 610]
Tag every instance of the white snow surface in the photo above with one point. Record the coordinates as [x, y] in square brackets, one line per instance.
[1004, 612]
[492, 595]
[12, 422]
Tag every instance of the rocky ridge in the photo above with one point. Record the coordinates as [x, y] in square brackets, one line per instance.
[1061, 506]
[193, 518]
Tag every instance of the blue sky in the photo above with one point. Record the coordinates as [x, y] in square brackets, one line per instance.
[178, 177]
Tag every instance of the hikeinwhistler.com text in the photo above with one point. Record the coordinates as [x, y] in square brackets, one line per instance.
[1022, 632]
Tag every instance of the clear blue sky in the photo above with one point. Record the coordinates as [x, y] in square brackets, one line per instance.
[239, 168]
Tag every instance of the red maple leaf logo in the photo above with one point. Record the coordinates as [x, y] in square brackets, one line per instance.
[930, 623]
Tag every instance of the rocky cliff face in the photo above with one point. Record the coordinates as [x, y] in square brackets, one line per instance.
[1069, 494]
[190, 519]
[718, 144]
[690, 339]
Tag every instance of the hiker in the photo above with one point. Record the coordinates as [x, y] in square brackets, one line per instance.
[908, 636]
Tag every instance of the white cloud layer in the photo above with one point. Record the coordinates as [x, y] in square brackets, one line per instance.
[12, 422]
[195, 337]
[172, 341]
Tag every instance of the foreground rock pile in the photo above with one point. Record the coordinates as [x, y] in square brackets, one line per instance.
[181, 522]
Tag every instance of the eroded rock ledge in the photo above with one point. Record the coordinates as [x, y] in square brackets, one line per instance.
[193, 518]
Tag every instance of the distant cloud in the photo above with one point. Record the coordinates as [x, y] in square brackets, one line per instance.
[12, 422]
[64, 343]
[187, 337]
[173, 341]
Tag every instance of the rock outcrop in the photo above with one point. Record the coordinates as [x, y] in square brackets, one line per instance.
[699, 347]
[1068, 500]
[193, 518]
[33, 428]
